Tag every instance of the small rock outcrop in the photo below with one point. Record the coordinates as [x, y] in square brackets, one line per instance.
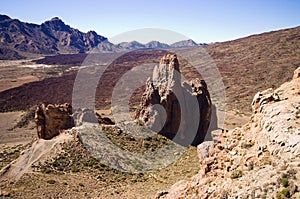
[259, 160]
[170, 107]
[86, 115]
[296, 73]
[51, 119]
[104, 120]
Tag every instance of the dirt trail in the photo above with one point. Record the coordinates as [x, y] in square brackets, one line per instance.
[39, 149]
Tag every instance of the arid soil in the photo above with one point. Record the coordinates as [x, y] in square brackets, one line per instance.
[263, 61]
[12, 135]
[247, 65]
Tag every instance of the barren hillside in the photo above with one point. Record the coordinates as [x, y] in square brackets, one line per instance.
[246, 65]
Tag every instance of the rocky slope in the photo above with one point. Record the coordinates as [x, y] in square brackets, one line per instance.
[259, 160]
[265, 60]
[185, 43]
[50, 37]
[131, 45]
[156, 44]
[54, 36]
[9, 54]
[255, 63]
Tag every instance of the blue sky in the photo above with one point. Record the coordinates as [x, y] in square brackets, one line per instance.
[200, 20]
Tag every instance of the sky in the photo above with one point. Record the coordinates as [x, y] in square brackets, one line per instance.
[203, 21]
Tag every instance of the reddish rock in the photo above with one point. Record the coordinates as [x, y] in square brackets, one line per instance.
[51, 119]
[251, 161]
[179, 111]
[104, 120]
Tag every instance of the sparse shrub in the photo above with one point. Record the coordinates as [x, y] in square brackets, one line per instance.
[267, 161]
[285, 192]
[247, 144]
[224, 195]
[75, 169]
[148, 138]
[236, 174]
[7, 156]
[163, 141]
[146, 145]
[91, 162]
[47, 170]
[51, 181]
[60, 168]
[278, 195]
[140, 123]
[55, 163]
[26, 118]
[285, 182]
[80, 184]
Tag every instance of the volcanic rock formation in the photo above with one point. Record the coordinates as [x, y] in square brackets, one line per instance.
[179, 111]
[86, 115]
[51, 119]
[259, 160]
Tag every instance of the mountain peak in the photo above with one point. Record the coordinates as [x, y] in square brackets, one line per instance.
[4, 17]
[55, 19]
[184, 43]
[57, 24]
[156, 44]
[51, 37]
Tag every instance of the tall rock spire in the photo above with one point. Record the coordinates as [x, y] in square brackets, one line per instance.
[180, 111]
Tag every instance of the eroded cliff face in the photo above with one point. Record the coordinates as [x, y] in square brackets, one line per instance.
[259, 160]
[179, 111]
[54, 118]
[51, 119]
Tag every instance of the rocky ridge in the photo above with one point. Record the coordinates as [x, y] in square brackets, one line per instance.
[56, 37]
[50, 37]
[185, 43]
[259, 160]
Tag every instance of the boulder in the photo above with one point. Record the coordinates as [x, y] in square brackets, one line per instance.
[104, 120]
[51, 119]
[204, 149]
[84, 115]
[262, 98]
[179, 111]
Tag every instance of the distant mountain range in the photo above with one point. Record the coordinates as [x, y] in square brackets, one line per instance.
[55, 37]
